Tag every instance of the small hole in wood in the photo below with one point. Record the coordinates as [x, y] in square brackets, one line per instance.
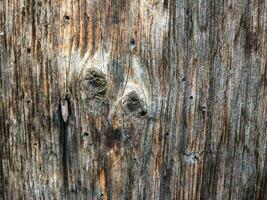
[191, 97]
[67, 97]
[67, 17]
[133, 42]
[166, 135]
[143, 113]
[187, 11]
[29, 50]
[86, 134]
[204, 109]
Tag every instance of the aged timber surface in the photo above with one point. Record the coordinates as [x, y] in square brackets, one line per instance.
[140, 99]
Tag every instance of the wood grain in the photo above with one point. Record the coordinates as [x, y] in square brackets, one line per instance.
[147, 99]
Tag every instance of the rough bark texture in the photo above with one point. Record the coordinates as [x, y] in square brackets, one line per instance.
[140, 99]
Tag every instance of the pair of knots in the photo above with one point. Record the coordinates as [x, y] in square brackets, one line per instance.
[132, 99]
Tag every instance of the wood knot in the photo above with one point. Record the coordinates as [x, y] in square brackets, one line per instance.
[96, 81]
[134, 104]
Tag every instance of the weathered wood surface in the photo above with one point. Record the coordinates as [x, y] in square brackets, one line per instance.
[120, 99]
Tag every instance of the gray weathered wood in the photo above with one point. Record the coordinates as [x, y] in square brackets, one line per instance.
[147, 99]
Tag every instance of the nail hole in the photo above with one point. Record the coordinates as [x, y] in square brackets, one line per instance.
[67, 17]
[132, 42]
[85, 134]
[191, 97]
[143, 113]
[166, 135]
[187, 11]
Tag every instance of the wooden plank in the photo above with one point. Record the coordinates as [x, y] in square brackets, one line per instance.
[147, 99]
